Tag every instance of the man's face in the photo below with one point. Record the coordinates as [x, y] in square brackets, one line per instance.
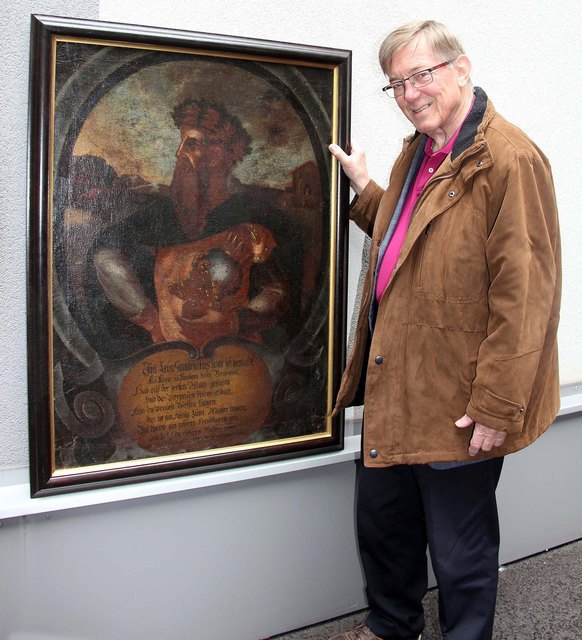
[202, 154]
[437, 107]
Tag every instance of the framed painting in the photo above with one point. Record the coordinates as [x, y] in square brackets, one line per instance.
[187, 252]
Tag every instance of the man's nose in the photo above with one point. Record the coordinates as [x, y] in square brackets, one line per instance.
[180, 151]
[410, 91]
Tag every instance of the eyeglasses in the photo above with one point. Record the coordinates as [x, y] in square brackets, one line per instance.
[418, 79]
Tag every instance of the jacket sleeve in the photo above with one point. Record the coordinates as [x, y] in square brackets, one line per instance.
[365, 206]
[523, 257]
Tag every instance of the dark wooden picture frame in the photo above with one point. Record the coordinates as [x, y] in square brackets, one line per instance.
[187, 252]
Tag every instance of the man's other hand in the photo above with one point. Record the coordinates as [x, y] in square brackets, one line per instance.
[484, 438]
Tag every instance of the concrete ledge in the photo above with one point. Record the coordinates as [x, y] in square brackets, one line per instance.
[15, 497]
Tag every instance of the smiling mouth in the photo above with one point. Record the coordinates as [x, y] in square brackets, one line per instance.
[423, 108]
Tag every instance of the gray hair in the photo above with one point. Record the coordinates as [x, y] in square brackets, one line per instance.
[438, 36]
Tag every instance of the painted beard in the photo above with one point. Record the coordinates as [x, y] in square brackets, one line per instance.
[189, 194]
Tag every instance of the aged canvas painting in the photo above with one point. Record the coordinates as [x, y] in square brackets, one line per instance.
[193, 252]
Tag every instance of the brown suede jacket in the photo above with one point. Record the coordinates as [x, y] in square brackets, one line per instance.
[469, 320]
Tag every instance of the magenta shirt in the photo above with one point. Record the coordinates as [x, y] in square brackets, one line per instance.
[428, 167]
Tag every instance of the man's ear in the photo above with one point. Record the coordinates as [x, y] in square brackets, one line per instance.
[463, 66]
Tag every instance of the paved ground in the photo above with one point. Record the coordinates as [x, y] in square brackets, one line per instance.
[540, 598]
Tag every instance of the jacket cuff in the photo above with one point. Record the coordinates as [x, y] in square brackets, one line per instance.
[495, 412]
[359, 204]
[363, 208]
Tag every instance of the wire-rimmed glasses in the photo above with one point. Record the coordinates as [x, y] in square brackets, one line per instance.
[418, 79]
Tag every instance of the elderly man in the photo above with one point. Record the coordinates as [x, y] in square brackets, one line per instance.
[456, 339]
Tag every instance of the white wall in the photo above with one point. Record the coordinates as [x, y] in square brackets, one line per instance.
[279, 550]
[520, 53]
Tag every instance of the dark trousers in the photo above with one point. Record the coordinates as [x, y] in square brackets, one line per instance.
[403, 509]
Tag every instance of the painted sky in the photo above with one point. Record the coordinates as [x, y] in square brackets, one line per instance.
[132, 128]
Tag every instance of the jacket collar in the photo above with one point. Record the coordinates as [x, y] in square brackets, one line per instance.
[469, 128]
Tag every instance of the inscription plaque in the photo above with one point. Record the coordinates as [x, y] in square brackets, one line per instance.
[171, 403]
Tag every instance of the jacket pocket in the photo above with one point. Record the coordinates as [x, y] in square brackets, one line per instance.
[451, 264]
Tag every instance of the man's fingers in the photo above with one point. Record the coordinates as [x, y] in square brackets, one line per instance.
[487, 443]
[353, 164]
[353, 152]
[485, 439]
[338, 152]
[477, 443]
